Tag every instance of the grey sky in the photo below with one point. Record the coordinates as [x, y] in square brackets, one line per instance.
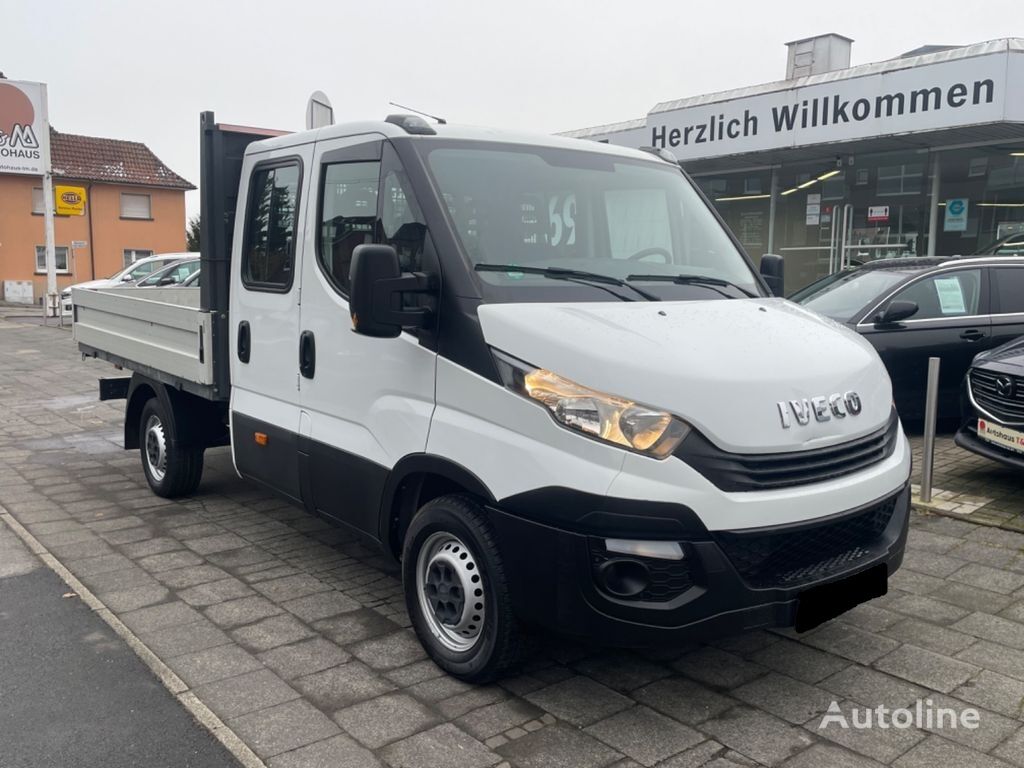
[143, 70]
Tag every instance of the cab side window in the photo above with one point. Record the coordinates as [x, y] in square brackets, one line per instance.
[348, 216]
[401, 223]
[367, 202]
[268, 259]
[951, 294]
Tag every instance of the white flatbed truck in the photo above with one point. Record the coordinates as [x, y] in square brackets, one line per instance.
[538, 372]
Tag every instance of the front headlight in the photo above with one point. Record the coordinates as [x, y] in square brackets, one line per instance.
[596, 414]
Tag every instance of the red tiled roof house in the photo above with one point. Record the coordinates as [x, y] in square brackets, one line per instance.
[136, 207]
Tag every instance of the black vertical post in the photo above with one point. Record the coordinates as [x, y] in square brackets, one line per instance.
[215, 248]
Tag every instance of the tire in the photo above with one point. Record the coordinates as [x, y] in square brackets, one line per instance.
[171, 470]
[455, 590]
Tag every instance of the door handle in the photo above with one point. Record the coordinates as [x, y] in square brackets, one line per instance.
[244, 341]
[972, 334]
[307, 354]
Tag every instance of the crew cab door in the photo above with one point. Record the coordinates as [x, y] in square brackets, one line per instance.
[369, 400]
[264, 317]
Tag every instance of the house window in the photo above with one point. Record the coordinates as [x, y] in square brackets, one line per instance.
[61, 257]
[131, 255]
[135, 206]
[37, 201]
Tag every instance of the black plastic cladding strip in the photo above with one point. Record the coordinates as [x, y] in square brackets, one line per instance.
[752, 472]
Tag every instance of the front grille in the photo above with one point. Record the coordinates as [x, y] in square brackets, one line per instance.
[668, 578]
[795, 555]
[984, 390]
[767, 471]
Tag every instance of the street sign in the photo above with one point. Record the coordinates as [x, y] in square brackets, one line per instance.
[70, 200]
[79, 244]
[956, 215]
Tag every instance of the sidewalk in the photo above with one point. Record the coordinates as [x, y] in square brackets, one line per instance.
[972, 487]
[73, 693]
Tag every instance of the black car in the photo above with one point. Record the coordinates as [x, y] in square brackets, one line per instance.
[993, 405]
[916, 308]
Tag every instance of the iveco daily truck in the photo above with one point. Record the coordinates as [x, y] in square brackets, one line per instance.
[539, 372]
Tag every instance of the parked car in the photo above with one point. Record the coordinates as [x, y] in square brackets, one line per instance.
[177, 273]
[130, 275]
[993, 405]
[913, 309]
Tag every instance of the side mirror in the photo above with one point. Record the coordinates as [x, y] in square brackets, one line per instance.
[773, 270]
[167, 281]
[376, 285]
[896, 311]
[127, 278]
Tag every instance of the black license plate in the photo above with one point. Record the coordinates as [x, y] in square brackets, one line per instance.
[819, 604]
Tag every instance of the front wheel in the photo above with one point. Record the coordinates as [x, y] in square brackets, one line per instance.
[455, 590]
[171, 470]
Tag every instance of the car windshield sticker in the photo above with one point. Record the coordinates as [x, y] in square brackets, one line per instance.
[951, 295]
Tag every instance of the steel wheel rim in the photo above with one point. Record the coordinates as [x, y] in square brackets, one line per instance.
[155, 448]
[451, 591]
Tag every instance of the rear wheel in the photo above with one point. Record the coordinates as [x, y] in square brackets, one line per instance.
[171, 470]
[455, 590]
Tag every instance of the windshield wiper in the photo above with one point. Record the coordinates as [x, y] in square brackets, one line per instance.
[711, 282]
[572, 275]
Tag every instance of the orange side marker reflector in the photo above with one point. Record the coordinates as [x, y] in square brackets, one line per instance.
[260, 437]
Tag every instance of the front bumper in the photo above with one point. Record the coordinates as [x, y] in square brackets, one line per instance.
[727, 582]
[967, 438]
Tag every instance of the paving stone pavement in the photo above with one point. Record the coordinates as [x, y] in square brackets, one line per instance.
[295, 634]
[963, 476]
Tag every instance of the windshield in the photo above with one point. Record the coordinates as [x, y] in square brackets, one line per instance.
[843, 297]
[539, 207]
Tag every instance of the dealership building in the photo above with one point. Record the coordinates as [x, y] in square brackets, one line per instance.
[922, 154]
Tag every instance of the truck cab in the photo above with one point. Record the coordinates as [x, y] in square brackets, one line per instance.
[542, 375]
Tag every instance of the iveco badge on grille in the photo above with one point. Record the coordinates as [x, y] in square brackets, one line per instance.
[821, 408]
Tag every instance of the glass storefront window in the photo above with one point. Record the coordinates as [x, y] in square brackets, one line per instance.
[863, 207]
[743, 200]
[990, 182]
[846, 210]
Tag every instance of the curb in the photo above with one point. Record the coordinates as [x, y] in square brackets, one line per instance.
[174, 684]
[929, 508]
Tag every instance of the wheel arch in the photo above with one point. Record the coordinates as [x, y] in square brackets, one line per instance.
[195, 421]
[415, 480]
[140, 391]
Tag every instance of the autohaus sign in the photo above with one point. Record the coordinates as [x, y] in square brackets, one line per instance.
[23, 128]
[977, 85]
